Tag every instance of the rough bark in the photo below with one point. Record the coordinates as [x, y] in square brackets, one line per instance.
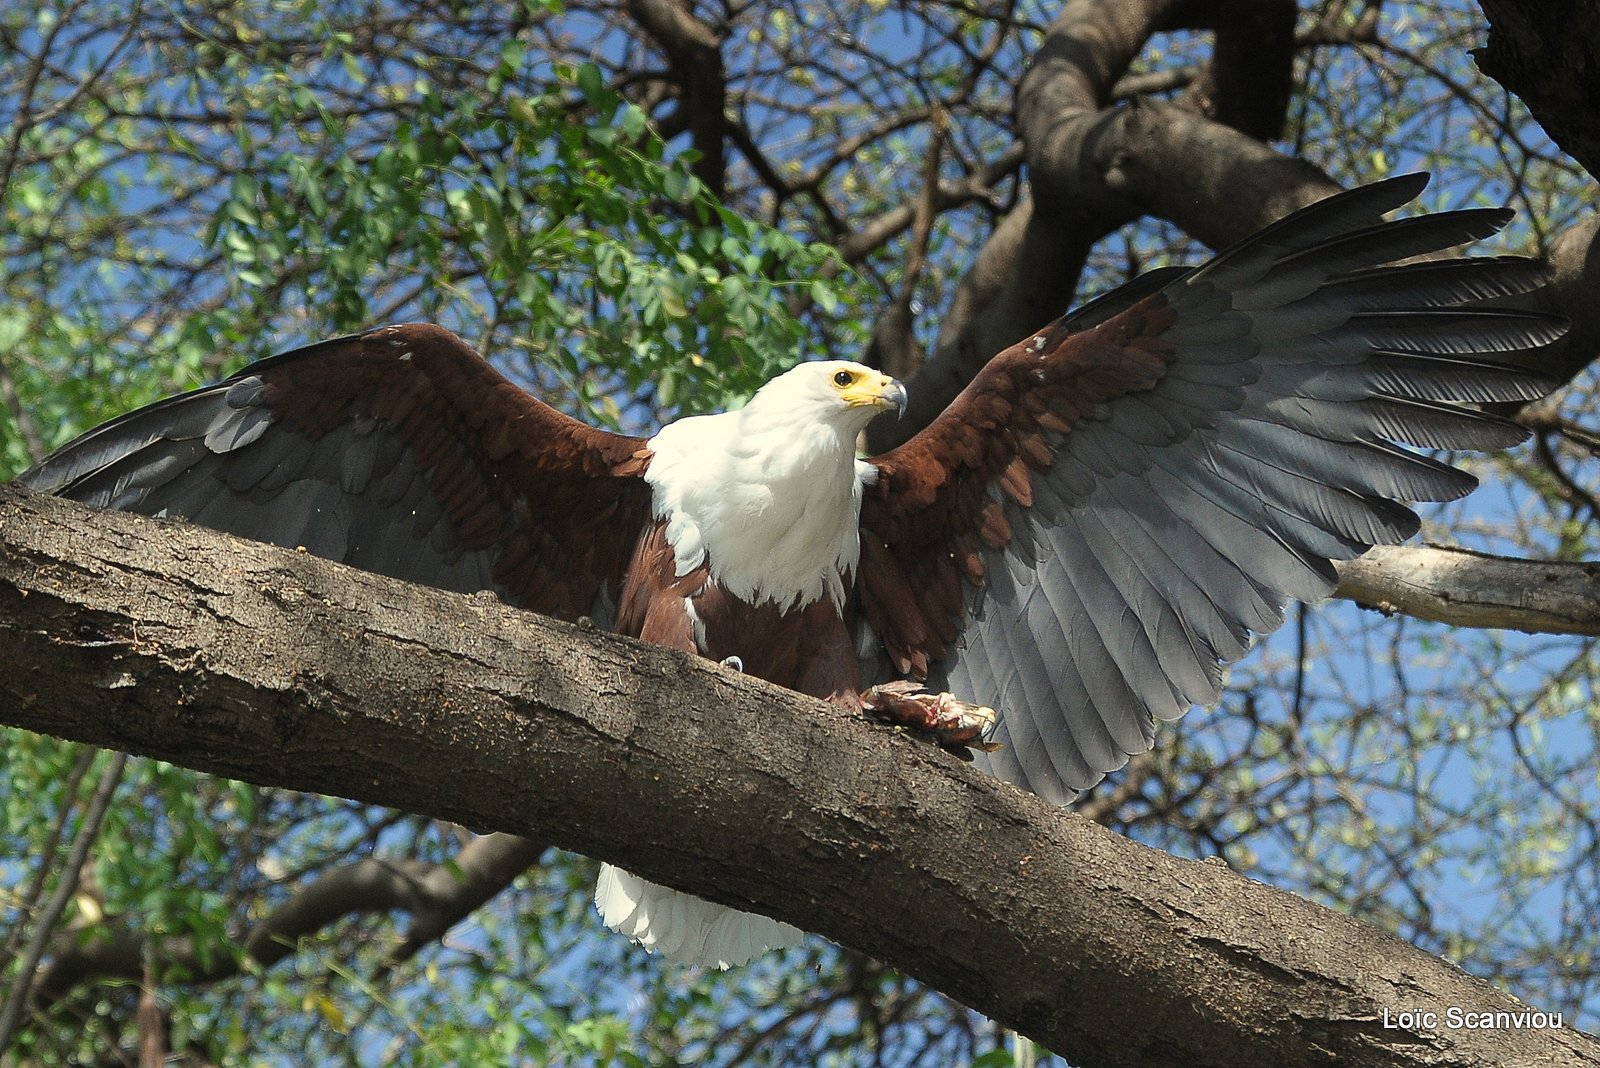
[1548, 54]
[275, 667]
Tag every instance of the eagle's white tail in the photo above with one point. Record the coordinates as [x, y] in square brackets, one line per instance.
[684, 927]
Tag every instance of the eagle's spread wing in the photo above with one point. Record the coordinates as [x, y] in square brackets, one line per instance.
[1116, 506]
[399, 451]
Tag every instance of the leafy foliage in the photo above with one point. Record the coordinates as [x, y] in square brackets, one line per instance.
[546, 223]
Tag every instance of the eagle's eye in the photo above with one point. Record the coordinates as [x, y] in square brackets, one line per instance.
[843, 378]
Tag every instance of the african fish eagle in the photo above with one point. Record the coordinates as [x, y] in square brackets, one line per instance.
[1113, 509]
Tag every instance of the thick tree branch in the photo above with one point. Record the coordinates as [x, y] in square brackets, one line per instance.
[1469, 589]
[1248, 81]
[274, 667]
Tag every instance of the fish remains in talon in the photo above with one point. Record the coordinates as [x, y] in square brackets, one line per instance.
[958, 726]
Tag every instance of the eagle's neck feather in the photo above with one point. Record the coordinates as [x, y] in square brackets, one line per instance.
[772, 504]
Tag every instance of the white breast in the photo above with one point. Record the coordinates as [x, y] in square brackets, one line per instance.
[775, 507]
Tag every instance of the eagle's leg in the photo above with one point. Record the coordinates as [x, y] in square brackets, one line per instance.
[956, 725]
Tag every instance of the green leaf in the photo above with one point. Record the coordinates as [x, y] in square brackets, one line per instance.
[823, 294]
[674, 184]
[243, 213]
[672, 301]
[592, 84]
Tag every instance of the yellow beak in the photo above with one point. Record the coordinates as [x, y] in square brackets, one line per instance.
[878, 391]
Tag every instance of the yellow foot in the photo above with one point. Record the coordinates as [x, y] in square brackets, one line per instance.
[956, 725]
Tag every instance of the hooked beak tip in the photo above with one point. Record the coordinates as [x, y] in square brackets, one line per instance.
[895, 394]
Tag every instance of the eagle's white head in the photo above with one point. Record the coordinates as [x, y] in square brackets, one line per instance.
[840, 394]
[772, 492]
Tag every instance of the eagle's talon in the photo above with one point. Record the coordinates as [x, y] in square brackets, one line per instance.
[733, 662]
[956, 725]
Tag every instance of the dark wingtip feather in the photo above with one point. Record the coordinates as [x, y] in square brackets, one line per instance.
[1403, 187]
[1455, 331]
[1351, 209]
[1369, 202]
[1464, 381]
[1438, 283]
